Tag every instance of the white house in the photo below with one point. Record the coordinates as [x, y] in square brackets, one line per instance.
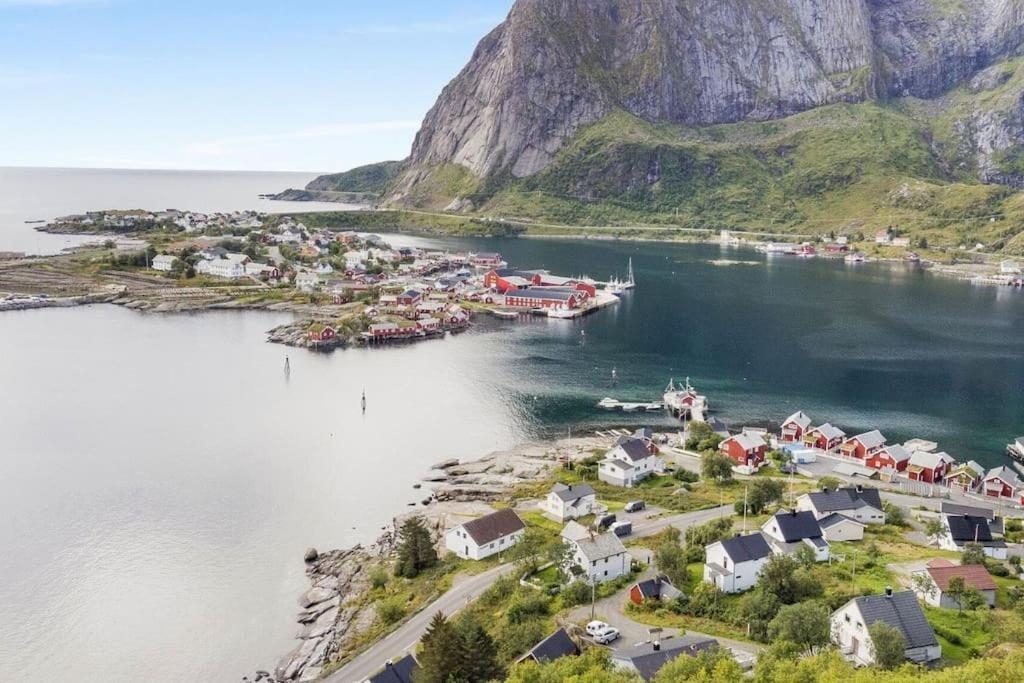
[940, 572]
[570, 502]
[1009, 268]
[859, 503]
[852, 621]
[307, 281]
[601, 557]
[787, 531]
[486, 536]
[221, 267]
[629, 462]
[961, 530]
[164, 262]
[734, 565]
[838, 527]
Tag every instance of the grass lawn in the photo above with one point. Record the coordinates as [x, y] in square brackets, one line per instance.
[962, 636]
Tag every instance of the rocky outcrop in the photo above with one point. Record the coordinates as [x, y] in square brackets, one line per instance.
[556, 65]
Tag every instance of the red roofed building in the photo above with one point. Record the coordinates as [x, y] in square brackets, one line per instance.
[974, 575]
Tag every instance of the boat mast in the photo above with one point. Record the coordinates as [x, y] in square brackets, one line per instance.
[632, 281]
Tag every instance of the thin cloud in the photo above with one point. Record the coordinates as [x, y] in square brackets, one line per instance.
[48, 3]
[331, 130]
[24, 78]
[452, 25]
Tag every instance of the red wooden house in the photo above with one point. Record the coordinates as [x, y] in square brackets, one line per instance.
[929, 467]
[322, 333]
[794, 428]
[485, 260]
[826, 437]
[1002, 482]
[863, 446]
[409, 297]
[537, 297]
[746, 450]
[894, 457]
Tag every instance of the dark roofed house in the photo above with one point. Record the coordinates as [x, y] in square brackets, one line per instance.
[658, 588]
[647, 659]
[861, 503]
[947, 508]
[555, 646]
[486, 536]
[398, 672]
[627, 463]
[565, 502]
[851, 625]
[960, 530]
[787, 530]
[734, 565]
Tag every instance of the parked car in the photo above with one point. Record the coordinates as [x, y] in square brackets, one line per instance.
[595, 627]
[635, 506]
[604, 521]
[622, 528]
[609, 635]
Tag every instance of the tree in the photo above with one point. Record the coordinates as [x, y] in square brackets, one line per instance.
[806, 623]
[530, 549]
[887, 644]
[783, 577]
[805, 555]
[893, 514]
[671, 561]
[716, 466]
[922, 583]
[764, 492]
[696, 433]
[415, 549]
[476, 655]
[956, 590]
[758, 608]
[933, 528]
[830, 483]
[438, 652]
[715, 665]
[973, 554]
[972, 599]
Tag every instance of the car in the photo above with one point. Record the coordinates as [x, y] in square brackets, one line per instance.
[622, 528]
[609, 635]
[595, 627]
[604, 521]
[635, 506]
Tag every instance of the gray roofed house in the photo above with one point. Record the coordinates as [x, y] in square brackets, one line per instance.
[647, 659]
[486, 536]
[658, 588]
[635, 449]
[786, 531]
[628, 462]
[493, 526]
[573, 492]
[602, 557]
[570, 502]
[860, 503]
[734, 565]
[555, 646]
[961, 530]
[947, 508]
[851, 626]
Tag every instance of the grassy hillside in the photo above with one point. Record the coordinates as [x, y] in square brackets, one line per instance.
[845, 169]
[371, 179]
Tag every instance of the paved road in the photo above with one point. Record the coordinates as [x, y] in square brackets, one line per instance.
[408, 634]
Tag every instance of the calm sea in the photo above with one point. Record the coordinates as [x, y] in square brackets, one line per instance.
[160, 477]
[33, 194]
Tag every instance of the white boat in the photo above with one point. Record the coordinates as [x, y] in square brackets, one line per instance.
[619, 287]
[608, 403]
[856, 257]
[1016, 449]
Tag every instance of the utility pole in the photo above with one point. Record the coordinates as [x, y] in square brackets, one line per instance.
[593, 597]
[853, 576]
[745, 489]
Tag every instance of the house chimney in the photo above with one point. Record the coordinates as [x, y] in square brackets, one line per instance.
[793, 512]
[655, 638]
[860, 488]
[824, 489]
[888, 591]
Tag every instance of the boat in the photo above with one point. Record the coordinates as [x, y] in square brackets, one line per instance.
[1016, 449]
[619, 287]
[505, 315]
[608, 403]
[856, 257]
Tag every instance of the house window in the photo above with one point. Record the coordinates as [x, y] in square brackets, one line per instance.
[847, 617]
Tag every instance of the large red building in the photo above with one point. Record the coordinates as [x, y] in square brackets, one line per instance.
[929, 467]
[539, 297]
[794, 427]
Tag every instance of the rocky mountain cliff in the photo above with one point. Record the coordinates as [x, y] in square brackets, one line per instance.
[555, 66]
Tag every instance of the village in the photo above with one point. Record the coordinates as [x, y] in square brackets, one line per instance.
[711, 543]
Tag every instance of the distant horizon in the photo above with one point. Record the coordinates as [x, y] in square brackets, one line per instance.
[164, 170]
[228, 86]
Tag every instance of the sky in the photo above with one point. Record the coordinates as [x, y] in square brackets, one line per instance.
[226, 84]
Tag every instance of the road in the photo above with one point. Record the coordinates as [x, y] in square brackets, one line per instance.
[467, 589]
[403, 640]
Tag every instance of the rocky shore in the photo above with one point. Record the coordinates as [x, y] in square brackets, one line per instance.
[332, 611]
[362, 199]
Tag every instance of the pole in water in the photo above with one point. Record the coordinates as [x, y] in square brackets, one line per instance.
[364, 400]
[287, 366]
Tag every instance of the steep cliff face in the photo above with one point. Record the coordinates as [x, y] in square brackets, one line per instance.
[555, 66]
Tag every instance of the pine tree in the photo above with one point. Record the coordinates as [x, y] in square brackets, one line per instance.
[438, 652]
[415, 549]
[477, 655]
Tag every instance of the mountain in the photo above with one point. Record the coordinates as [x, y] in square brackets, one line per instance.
[805, 115]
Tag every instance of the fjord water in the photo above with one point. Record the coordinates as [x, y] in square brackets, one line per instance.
[34, 194]
[160, 477]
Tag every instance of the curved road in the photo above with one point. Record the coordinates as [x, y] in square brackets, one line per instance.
[467, 589]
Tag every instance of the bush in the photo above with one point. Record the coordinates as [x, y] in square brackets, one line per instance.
[998, 569]
[379, 577]
[686, 476]
[390, 610]
[527, 607]
[576, 593]
[951, 636]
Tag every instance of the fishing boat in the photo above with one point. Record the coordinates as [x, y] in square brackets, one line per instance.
[619, 287]
[1016, 449]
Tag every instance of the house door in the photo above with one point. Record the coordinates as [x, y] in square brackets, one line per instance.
[855, 644]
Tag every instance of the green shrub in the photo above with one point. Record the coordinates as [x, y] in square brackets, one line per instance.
[390, 610]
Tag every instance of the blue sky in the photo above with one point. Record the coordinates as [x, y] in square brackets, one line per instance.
[226, 84]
